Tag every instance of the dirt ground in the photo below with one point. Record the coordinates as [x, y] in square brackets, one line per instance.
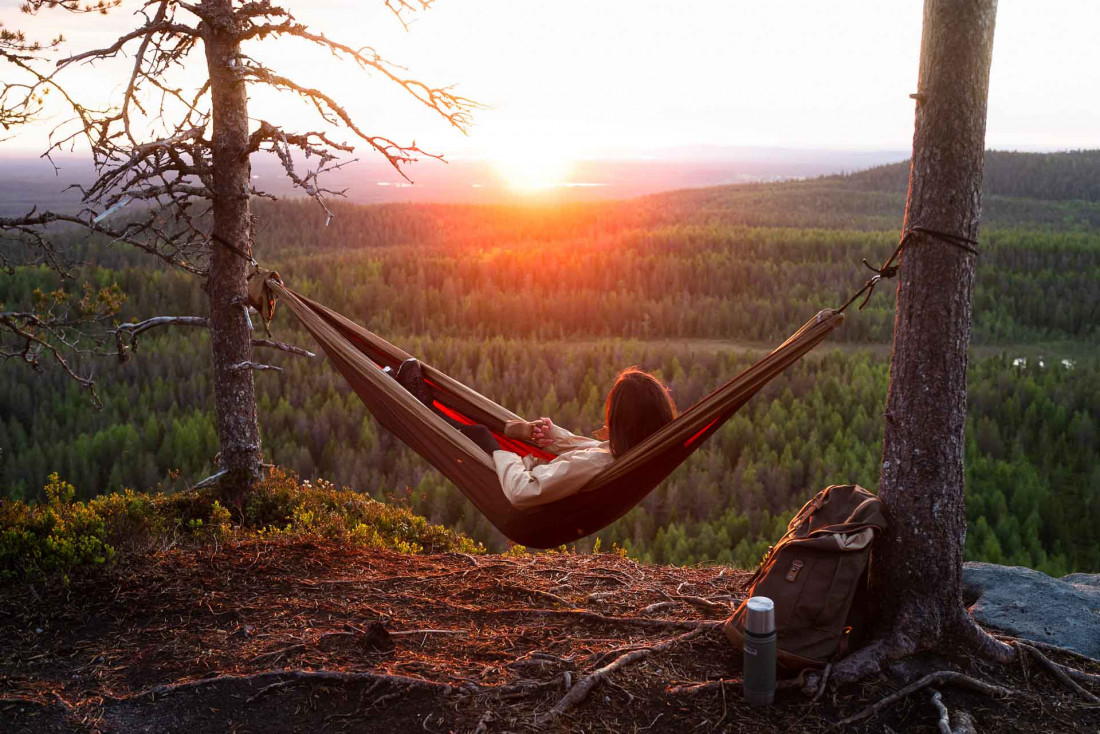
[301, 636]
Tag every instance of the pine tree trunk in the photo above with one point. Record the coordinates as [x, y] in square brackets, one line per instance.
[231, 340]
[917, 569]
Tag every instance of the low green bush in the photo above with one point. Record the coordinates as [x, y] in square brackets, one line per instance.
[54, 538]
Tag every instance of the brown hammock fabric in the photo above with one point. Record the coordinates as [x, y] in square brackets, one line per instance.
[359, 355]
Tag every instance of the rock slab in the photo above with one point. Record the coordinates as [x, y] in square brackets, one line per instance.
[1029, 604]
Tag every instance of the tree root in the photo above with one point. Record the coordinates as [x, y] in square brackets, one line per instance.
[581, 614]
[584, 686]
[944, 723]
[272, 679]
[1058, 671]
[981, 642]
[942, 677]
[964, 725]
[694, 689]
[1052, 648]
[864, 662]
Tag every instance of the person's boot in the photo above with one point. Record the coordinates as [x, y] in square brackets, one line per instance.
[410, 375]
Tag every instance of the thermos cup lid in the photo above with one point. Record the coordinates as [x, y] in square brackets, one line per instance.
[760, 615]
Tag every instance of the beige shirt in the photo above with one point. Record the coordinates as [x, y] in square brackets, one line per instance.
[529, 481]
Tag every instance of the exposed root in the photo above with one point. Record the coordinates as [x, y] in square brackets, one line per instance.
[944, 723]
[584, 686]
[964, 723]
[724, 684]
[981, 642]
[1053, 648]
[1058, 671]
[942, 677]
[272, 679]
[582, 615]
[865, 662]
[824, 682]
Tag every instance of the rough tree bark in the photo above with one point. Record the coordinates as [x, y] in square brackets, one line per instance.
[917, 568]
[230, 338]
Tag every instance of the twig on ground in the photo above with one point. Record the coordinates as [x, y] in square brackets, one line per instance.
[535, 592]
[658, 607]
[584, 686]
[278, 653]
[705, 604]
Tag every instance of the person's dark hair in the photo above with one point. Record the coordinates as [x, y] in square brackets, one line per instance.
[638, 406]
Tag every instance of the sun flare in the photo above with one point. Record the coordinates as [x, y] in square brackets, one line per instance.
[530, 166]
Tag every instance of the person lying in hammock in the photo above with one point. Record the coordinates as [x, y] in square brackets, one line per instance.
[638, 405]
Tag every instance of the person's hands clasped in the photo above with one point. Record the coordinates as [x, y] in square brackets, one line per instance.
[536, 432]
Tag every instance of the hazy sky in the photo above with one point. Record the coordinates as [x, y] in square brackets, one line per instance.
[570, 78]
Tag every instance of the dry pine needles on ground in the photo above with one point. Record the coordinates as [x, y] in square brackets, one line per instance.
[285, 635]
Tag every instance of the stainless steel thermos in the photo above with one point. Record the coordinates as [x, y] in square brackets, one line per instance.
[759, 651]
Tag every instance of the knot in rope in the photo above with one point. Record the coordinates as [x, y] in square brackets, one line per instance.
[889, 269]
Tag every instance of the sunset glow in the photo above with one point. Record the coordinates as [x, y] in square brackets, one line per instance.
[528, 166]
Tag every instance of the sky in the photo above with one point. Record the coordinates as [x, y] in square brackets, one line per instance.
[567, 79]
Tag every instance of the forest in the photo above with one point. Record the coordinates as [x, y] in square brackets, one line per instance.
[539, 306]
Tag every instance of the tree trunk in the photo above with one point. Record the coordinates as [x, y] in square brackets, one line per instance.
[917, 568]
[230, 337]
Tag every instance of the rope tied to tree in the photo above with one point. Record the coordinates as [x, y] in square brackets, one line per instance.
[260, 295]
[889, 269]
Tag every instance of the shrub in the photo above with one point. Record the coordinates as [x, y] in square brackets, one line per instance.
[60, 535]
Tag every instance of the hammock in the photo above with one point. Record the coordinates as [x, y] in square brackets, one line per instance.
[359, 355]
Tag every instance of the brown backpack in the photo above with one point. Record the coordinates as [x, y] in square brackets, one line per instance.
[813, 574]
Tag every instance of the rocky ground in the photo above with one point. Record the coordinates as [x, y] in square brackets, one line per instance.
[292, 635]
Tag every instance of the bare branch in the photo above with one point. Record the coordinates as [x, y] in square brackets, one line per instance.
[39, 335]
[290, 348]
[255, 366]
[454, 108]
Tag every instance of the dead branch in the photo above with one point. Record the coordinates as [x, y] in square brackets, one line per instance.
[132, 330]
[947, 677]
[257, 366]
[39, 334]
[289, 348]
[580, 691]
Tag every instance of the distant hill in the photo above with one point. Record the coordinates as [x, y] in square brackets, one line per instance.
[1066, 176]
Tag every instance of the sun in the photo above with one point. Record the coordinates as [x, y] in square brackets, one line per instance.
[530, 165]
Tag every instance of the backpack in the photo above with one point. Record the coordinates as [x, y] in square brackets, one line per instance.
[813, 574]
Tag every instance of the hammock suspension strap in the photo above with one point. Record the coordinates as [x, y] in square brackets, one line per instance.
[889, 269]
